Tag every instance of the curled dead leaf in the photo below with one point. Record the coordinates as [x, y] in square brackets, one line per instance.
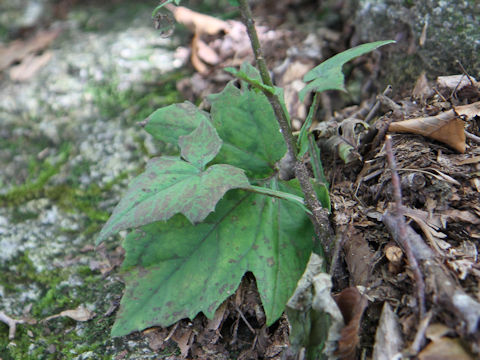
[445, 127]
[352, 305]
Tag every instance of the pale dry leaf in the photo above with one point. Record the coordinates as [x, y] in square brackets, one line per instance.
[454, 82]
[444, 348]
[445, 127]
[422, 89]
[388, 337]
[183, 341]
[198, 64]
[462, 215]
[468, 111]
[81, 313]
[17, 50]
[206, 53]
[199, 23]
[436, 331]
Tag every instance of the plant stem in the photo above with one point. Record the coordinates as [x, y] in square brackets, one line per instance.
[319, 215]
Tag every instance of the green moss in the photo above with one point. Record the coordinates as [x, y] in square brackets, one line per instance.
[68, 337]
[112, 102]
[32, 188]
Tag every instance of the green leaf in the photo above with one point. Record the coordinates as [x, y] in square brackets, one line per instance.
[329, 76]
[245, 121]
[170, 186]
[169, 123]
[201, 146]
[176, 270]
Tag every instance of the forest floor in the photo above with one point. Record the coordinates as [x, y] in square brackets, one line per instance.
[405, 272]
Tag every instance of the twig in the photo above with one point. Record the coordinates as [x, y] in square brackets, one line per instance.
[319, 215]
[12, 324]
[472, 137]
[375, 107]
[397, 192]
[419, 339]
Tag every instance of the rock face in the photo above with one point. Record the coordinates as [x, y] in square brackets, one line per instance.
[431, 35]
[68, 147]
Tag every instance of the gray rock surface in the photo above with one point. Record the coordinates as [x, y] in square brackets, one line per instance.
[431, 35]
[68, 148]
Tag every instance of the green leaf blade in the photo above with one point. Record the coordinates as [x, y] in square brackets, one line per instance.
[245, 121]
[200, 146]
[329, 76]
[177, 270]
[169, 123]
[170, 186]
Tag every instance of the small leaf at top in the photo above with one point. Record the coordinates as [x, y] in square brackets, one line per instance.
[245, 121]
[170, 186]
[170, 122]
[329, 76]
[200, 146]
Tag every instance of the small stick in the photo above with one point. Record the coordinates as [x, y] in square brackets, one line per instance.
[472, 137]
[12, 324]
[375, 107]
[397, 192]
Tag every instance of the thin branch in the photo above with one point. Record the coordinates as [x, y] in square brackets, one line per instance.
[397, 193]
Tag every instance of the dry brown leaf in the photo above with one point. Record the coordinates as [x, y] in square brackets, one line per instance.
[17, 50]
[445, 127]
[444, 349]
[358, 256]
[468, 111]
[206, 53]
[79, 314]
[422, 89]
[197, 22]
[182, 338]
[198, 64]
[454, 82]
[352, 305]
[29, 66]
[462, 215]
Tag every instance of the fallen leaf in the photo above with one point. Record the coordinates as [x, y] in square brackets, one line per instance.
[30, 65]
[445, 127]
[468, 111]
[358, 256]
[183, 341]
[454, 82]
[79, 314]
[19, 49]
[422, 89]
[352, 305]
[444, 349]
[197, 22]
[388, 338]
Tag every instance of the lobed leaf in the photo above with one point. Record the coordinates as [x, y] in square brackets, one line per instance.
[170, 122]
[329, 76]
[170, 186]
[201, 146]
[245, 121]
[176, 270]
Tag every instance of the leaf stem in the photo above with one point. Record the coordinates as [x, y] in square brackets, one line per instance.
[319, 215]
